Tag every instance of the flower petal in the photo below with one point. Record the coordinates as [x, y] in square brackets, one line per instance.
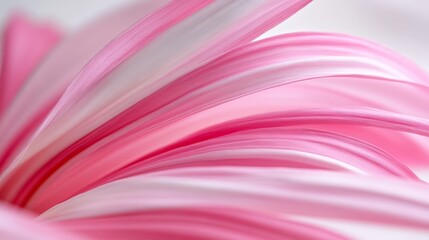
[105, 88]
[195, 223]
[267, 147]
[91, 174]
[18, 225]
[245, 82]
[25, 45]
[199, 38]
[275, 191]
[56, 72]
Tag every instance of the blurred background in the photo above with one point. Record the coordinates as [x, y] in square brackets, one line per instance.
[401, 25]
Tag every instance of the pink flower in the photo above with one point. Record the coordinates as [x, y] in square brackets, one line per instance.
[165, 121]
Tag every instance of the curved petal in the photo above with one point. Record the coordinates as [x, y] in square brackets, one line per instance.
[18, 225]
[199, 38]
[25, 45]
[268, 147]
[245, 82]
[106, 88]
[45, 86]
[340, 120]
[311, 193]
[197, 224]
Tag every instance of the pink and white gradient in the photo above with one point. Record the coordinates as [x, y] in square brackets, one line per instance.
[167, 120]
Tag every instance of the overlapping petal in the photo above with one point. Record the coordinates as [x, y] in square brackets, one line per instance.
[20, 225]
[236, 86]
[195, 223]
[25, 45]
[274, 191]
[164, 120]
[45, 86]
[199, 33]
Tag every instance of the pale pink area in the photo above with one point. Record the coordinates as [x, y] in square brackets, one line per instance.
[131, 41]
[274, 191]
[16, 224]
[25, 45]
[196, 223]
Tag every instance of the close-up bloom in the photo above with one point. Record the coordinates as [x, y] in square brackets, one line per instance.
[172, 119]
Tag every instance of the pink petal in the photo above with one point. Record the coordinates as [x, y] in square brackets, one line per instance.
[45, 86]
[170, 124]
[272, 147]
[25, 45]
[18, 225]
[274, 191]
[227, 89]
[195, 223]
[199, 38]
